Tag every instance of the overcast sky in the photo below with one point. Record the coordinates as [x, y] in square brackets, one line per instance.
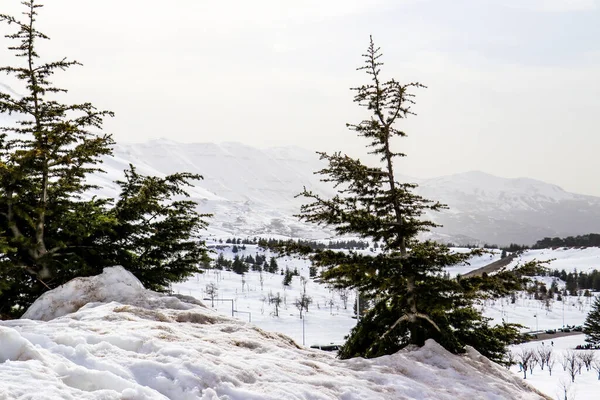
[513, 85]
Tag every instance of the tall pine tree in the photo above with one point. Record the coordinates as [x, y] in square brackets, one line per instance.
[591, 328]
[44, 157]
[412, 299]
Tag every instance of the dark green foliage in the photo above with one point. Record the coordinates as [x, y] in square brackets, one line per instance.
[48, 233]
[412, 298]
[579, 280]
[592, 324]
[238, 266]
[154, 237]
[589, 240]
[272, 266]
[222, 263]
[287, 277]
[44, 160]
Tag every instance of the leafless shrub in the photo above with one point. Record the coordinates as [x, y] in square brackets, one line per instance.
[525, 358]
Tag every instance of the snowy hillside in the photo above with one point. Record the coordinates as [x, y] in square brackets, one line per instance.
[582, 259]
[251, 192]
[130, 343]
[501, 211]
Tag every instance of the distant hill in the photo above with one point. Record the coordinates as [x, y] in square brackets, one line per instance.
[251, 191]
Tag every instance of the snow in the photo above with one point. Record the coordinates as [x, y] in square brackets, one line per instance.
[586, 384]
[327, 309]
[131, 343]
[251, 191]
[582, 259]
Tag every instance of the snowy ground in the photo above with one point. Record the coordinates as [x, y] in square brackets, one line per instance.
[586, 385]
[323, 326]
[569, 259]
[129, 343]
[329, 319]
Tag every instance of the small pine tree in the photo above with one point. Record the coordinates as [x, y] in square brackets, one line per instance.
[273, 267]
[591, 328]
[238, 266]
[287, 277]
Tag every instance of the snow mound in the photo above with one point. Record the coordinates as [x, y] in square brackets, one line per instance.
[114, 284]
[133, 344]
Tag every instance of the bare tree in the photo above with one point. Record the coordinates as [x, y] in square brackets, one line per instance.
[587, 358]
[212, 291]
[262, 305]
[344, 297]
[543, 354]
[330, 303]
[596, 366]
[550, 363]
[533, 362]
[302, 303]
[572, 364]
[510, 359]
[525, 358]
[303, 282]
[261, 279]
[565, 390]
[276, 301]
[563, 362]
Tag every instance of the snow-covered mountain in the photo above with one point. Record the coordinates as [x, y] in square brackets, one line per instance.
[499, 210]
[251, 191]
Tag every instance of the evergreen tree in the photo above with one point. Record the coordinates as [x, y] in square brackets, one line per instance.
[592, 324]
[238, 266]
[287, 277]
[48, 233]
[44, 159]
[412, 300]
[273, 267]
[156, 239]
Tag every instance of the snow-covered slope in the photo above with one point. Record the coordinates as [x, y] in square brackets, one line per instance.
[130, 343]
[499, 210]
[251, 192]
[582, 259]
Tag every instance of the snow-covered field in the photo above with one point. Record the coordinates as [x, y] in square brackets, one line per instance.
[581, 259]
[586, 385]
[321, 327]
[106, 337]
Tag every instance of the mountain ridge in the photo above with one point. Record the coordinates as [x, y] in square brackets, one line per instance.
[252, 191]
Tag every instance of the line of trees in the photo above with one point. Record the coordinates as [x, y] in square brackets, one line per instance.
[589, 240]
[350, 244]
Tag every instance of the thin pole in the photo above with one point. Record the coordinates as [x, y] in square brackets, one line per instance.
[357, 306]
[303, 338]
